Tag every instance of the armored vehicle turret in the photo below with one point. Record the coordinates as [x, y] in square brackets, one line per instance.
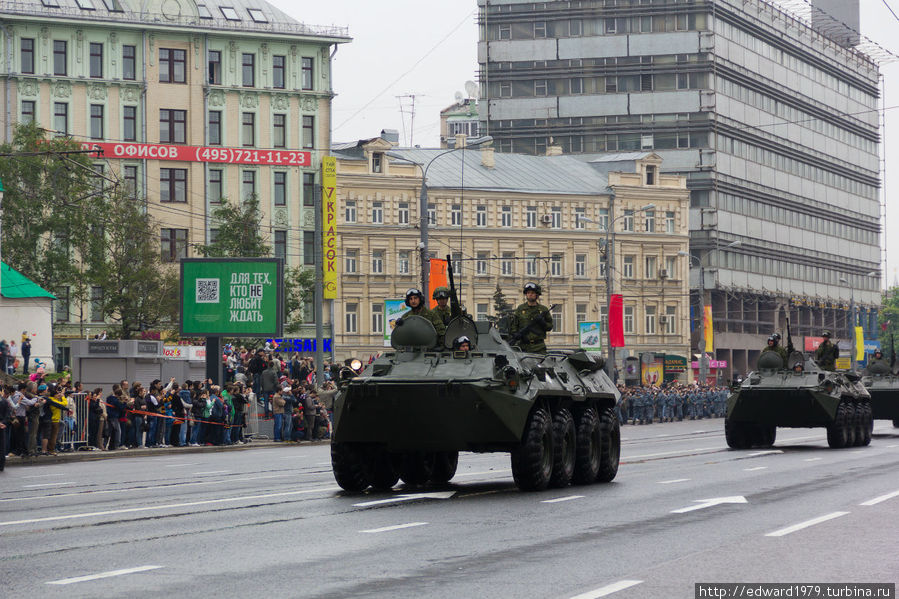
[883, 384]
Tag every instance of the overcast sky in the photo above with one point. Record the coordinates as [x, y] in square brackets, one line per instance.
[428, 48]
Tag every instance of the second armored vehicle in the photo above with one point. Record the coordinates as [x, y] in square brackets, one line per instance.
[883, 385]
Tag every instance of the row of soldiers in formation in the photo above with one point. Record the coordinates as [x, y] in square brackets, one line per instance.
[645, 405]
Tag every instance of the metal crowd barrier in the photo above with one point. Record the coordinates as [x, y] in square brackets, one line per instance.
[73, 428]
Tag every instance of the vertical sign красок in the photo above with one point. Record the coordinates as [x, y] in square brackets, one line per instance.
[329, 227]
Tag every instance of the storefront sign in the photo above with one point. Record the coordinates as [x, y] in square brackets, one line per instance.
[329, 226]
[675, 363]
[174, 352]
[300, 345]
[147, 347]
[135, 151]
[103, 347]
[712, 364]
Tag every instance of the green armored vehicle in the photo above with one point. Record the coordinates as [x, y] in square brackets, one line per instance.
[412, 410]
[883, 385]
[802, 395]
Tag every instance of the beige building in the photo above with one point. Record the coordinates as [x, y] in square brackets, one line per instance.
[507, 219]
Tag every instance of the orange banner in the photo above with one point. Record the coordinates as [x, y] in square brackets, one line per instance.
[437, 278]
[709, 338]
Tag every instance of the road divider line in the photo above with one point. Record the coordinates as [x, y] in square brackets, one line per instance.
[755, 469]
[791, 529]
[396, 527]
[109, 574]
[761, 453]
[701, 504]
[214, 472]
[182, 465]
[168, 506]
[812, 459]
[880, 499]
[45, 475]
[561, 499]
[407, 497]
[70, 482]
[608, 589]
[499, 471]
[671, 482]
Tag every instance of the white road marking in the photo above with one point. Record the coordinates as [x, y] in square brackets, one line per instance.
[608, 589]
[214, 472]
[892, 446]
[497, 471]
[561, 499]
[109, 574]
[407, 497]
[704, 503]
[684, 452]
[806, 524]
[182, 465]
[44, 475]
[881, 499]
[812, 459]
[761, 453]
[754, 469]
[397, 527]
[669, 482]
[167, 506]
[70, 482]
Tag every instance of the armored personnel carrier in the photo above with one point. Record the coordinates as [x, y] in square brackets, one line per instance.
[412, 410]
[802, 395]
[883, 385]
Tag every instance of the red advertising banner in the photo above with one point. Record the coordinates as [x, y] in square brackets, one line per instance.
[616, 321]
[812, 343]
[438, 278]
[135, 151]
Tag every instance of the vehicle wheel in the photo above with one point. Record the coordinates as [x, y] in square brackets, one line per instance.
[588, 448]
[564, 448]
[382, 471]
[850, 424]
[861, 423]
[610, 446]
[868, 428]
[736, 434]
[347, 462]
[895, 422]
[765, 435]
[532, 460]
[445, 463]
[416, 467]
[836, 430]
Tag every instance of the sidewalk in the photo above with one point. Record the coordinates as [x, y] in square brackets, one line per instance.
[87, 456]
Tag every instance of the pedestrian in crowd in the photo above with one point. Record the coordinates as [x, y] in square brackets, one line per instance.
[57, 405]
[13, 356]
[95, 417]
[7, 413]
[309, 415]
[269, 385]
[278, 404]
[26, 351]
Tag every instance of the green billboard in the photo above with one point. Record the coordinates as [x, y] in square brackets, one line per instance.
[237, 297]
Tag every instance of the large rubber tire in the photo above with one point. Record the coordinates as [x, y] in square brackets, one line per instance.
[765, 435]
[382, 470]
[532, 460]
[861, 423]
[610, 446]
[851, 424]
[837, 436]
[895, 422]
[348, 464]
[564, 448]
[445, 464]
[737, 434]
[416, 467]
[588, 454]
[868, 429]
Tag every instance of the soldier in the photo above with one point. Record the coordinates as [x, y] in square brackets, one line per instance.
[441, 294]
[827, 353]
[462, 343]
[416, 301]
[530, 322]
[878, 358]
[774, 346]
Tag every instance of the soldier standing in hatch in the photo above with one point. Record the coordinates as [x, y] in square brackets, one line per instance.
[827, 353]
[776, 348]
[441, 294]
[415, 299]
[536, 317]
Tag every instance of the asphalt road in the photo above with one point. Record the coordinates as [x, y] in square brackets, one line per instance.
[272, 522]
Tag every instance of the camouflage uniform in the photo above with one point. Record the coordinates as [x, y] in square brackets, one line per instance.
[826, 355]
[534, 340]
[432, 317]
[444, 313]
[779, 351]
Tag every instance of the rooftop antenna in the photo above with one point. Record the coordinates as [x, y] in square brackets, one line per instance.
[412, 120]
[471, 88]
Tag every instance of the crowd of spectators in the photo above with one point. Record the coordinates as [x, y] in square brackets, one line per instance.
[674, 401]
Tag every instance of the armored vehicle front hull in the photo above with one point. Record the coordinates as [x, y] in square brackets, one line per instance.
[884, 392]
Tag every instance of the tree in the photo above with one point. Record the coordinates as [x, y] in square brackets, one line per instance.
[888, 318]
[238, 231]
[299, 292]
[502, 309]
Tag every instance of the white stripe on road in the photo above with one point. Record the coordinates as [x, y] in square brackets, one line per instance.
[496, 471]
[754, 469]
[109, 574]
[71, 482]
[608, 589]
[761, 453]
[397, 527]
[167, 506]
[892, 446]
[182, 465]
[676, 480]
[44, 475]
[881, 499]
[684, 452]
[561, 499]
[214, 472]
[812, 459]
[790, 529]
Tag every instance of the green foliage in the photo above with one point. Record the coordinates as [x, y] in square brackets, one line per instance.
[889, 316]
[299, 291]
[501, 306]
[238, 231]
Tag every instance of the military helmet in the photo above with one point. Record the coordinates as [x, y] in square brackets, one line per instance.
[414, 291]
[877, 351]
[460, 340]
[441, 293]
[772, 338]
[531, 286]
[826, 333]
[776, 336]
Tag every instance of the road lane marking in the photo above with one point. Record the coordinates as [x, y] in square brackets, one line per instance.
[812, 459]
[497, 471]
[407, 497]
[397, 527]
[214, 472]
[669, 482]
[109, 574]
[561, 499]
[168, 506]
[892, 446]
[44, 475]
[881, 499]
[684, 452]
[790, 529]
[608, 589]
[761, 453]
[754, 469]
[182, 465]
[701, 504]
[70, 482]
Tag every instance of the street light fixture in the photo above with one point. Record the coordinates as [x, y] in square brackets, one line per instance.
[852, 315]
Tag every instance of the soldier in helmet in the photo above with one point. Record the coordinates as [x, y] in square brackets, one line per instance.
[827, 353]
[441, 294]
[774, 346]
[462, 343]
[878, 358]
[531, 321]
[415, 299]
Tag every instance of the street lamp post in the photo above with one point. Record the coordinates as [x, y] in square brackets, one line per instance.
[853, 317]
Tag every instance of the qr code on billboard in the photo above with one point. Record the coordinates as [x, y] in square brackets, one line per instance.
[207, 291]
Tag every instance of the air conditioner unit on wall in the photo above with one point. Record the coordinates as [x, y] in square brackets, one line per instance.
[546, 219]
[663, 274]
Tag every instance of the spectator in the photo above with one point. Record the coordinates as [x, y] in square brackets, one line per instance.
[309, 415]
[56, 405]
[139, 411]
[26, 351]
[278, 404]
[19, 433]
[95, 416]
[239, 400]
[269, 386]
[6, 417]
[254, 369]
[13, 356]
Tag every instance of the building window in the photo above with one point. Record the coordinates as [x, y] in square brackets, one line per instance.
[307, 63]
[215, 67]
[96, 60]
[555, 265]
[173, 185]
[248, 70]
[456, 215]
[505, 90]
[628, 270]
[650, 221]
[215, 127]
[580, 265]
[61, 118]
[377, 160]
[377, 262]
[671, 267]
[650, 175]
[627, 223]
[279, 130]
[248, 130]
[27, 111]
[377, 213]
[96, 121]
[350, 260]
[507, 264]
[403, 213]
[670, 320]
[669, 222]
[280, 244]
[174, 244]
[308, 247]
[349, 213]
[556, 218]
[129, 123]
[62, 307]
[602, 265]
[432, 214]
[351, 318]
[278, 71]
[580, 313]
[172, 126]
[650, 320]
[309, 195]
[27, 56]
[60, 58]
[309, 132]
[628, 320]
[280, 188]
[604, 319]
[172, 67]
[530, 217]
[248, 185]
[457, 262]
[402, 264]
[530, 265]
[481, 311]
[540, 87]
[558, 324]
[506, 216]
[603, 219]
[650, 267]
[579, 215]
[539, 29]
[215, 185]
[229, 13]
[130, 177]
[505, 31]
[377, 318]
[129, 63]
[481, 263]
[481, 216]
